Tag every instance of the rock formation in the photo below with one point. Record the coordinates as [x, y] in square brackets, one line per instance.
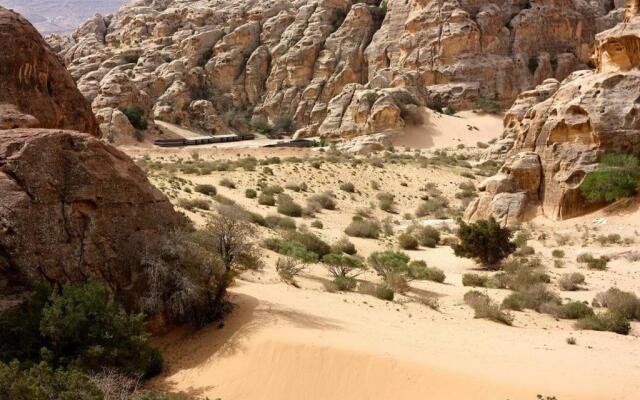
[559, 132]
[335, 67]
[35, 88]
[72, 208]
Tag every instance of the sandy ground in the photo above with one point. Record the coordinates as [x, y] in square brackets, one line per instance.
[441, 131]
[286, 343]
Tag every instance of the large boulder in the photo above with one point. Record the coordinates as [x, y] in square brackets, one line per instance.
[34, 83]
[559, 139]
[75, 208]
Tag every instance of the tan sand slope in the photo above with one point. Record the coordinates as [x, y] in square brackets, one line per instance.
[446, 131]
[289, 344]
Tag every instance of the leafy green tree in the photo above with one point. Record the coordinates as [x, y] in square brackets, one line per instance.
[41, 382]
[617, 177]
[484, 241]
[135, 115]
[387, 263]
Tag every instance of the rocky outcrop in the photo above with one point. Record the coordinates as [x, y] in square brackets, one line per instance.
[333, 66]
[35, 88]
[562, 137]
[72, 208]
[75, 208]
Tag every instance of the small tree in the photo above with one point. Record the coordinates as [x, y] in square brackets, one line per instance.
[617, 177]
[484, 241]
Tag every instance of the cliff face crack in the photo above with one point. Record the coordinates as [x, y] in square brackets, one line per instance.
[14, 177]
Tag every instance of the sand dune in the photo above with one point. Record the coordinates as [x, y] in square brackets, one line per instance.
[289, 344]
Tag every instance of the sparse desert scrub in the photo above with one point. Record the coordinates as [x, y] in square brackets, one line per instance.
[607, 321]
[534, 298]
[407, 242]
[485, 308]
[386, 201]
[228, 183]
[420, 271]
[251, 194]
[382, 291]
[427, 236]
[207, 190]
[288, 269]
[571, 282]
[592, 262]
[266, 199]
[279, 222]
[621, 302]
[557, 253]
[288, 207]
[363, 228]
[348, 187]
[193, 204]
[272, 190]
[322, 201]
[474, 280]
[344, 246]
[343, 269]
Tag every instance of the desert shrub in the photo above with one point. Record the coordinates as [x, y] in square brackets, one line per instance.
[386, 201]
[621, 302]
[420, 271]
[488, 104]
[574, 310]
[382, 291]
[279, 222]
[435, 206]
[616, 177]
[485, 308]
[533, 64]
[427, 236]
[317, 224]
[592, 262]
[557, 253]
[363, 228]
[294, 249]
[533, 298]
[323, 200]
[42, 382]
[571, 282]
[474, 280]
[228, 183]
[272, 190]
[341, 284]
[288, 207]
[388, 262]
[251, 194]
[193, 204]
[525, 251]
[207, 190]
[310, 241]
[284, 123]
[348, 187]
[407, 242]
[288, 269]
[608, 321]
[612, 238]
[135, 115]
[344, 246]
[484, 241]
[266, 199]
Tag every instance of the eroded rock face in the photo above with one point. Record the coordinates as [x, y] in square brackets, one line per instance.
[75, 208]
[333, 66]
[590, 113]
[35, 88]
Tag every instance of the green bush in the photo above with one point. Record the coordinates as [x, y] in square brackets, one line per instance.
[208, 190]
[485, 241]
[533, 298]
[575, 310]
[135, 115]
[427, 236]
[609, 321]
[363, 229]
[616, 177]
[294, 249]
[557, 253]
[42, 382]
[310, 241]
[488, 104]
[388, 262]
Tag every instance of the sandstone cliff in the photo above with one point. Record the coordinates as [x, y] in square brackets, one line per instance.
[555, 134]
[35, 89]
[72, 208]
[337, 67]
